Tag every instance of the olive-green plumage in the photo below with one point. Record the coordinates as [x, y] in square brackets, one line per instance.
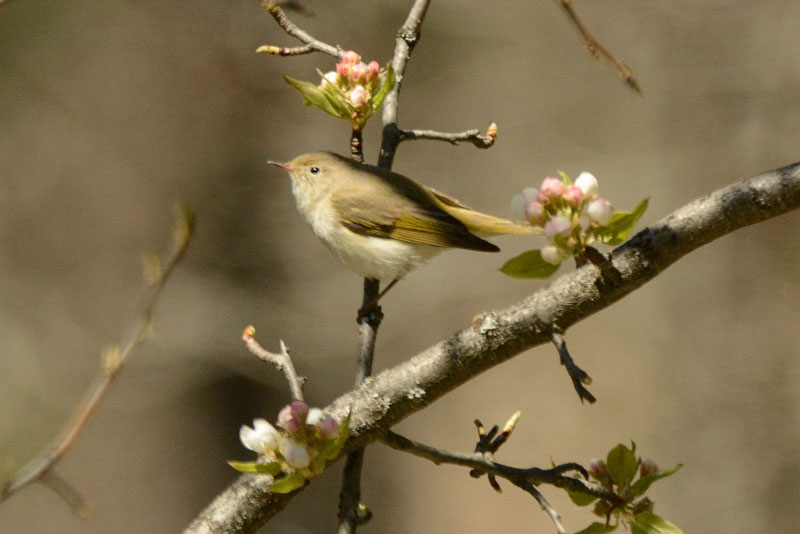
[381, 224]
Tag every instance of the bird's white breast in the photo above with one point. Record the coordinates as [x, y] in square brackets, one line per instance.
[367, 256]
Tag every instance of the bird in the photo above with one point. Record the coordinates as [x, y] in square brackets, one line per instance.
[380, 224]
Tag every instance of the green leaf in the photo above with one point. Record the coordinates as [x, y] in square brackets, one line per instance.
[621, 224]
[272, 468]
[597, 528]
[565, 178]
[319, 97]
[288, 484]
[622, 465]
[380, 96]
[649, 523]
[581, 499]
[529, 265]
[641, 485]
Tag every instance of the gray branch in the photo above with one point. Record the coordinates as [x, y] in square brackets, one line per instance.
[495, 337]
[282, 361]
[473, 136]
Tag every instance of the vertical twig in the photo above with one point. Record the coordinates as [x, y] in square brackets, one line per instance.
[351, 512]
[407, 37]
[350, 515]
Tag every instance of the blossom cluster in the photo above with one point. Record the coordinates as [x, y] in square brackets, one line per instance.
[354, 91]
[570, 214]
[304, 440]
[356, 80]
[632, 507]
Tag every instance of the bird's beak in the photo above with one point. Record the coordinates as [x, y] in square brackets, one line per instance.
[284, 166]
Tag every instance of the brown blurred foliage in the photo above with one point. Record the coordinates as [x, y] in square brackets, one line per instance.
[109, 111]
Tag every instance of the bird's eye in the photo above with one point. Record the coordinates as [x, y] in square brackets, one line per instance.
[314, 170]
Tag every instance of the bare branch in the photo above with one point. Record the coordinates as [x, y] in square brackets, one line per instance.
[407, 37]
[495, 337]
[473, 136]
[282, 361]
[156, 274]
[554, 517]
[595, 48]
[289, 27]
[351, 511]
[522, 478]
[350, 508]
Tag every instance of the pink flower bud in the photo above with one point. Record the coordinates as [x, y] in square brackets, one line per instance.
[342, 69]
[600, 211]
[358, 72]
[373, 69]
[551, 255]
[295, 454]
[558, 226]
[597, 467]
[351, 58]
[534, 212]
[573, 195]
[293, 416]
[551, 188]
[648, 467]
[588, 184]
[359, 96]
[329, 427]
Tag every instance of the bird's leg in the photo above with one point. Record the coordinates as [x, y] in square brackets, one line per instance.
[370, 307]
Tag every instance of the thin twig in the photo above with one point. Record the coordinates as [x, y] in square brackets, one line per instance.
[473, 136]
[285, 51]
[578, 376]
[488, 444]
[156, 274]
[594, 47]
[546, 506]
[406, 40]
[282, 361]
[351, 511]
[291, 28]
[523, 478]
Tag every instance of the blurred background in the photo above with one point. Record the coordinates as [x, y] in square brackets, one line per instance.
[111, 111]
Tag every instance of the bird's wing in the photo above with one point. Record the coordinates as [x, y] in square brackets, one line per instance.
[416, 220]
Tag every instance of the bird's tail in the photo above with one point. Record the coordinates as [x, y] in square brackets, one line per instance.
[478, 222]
